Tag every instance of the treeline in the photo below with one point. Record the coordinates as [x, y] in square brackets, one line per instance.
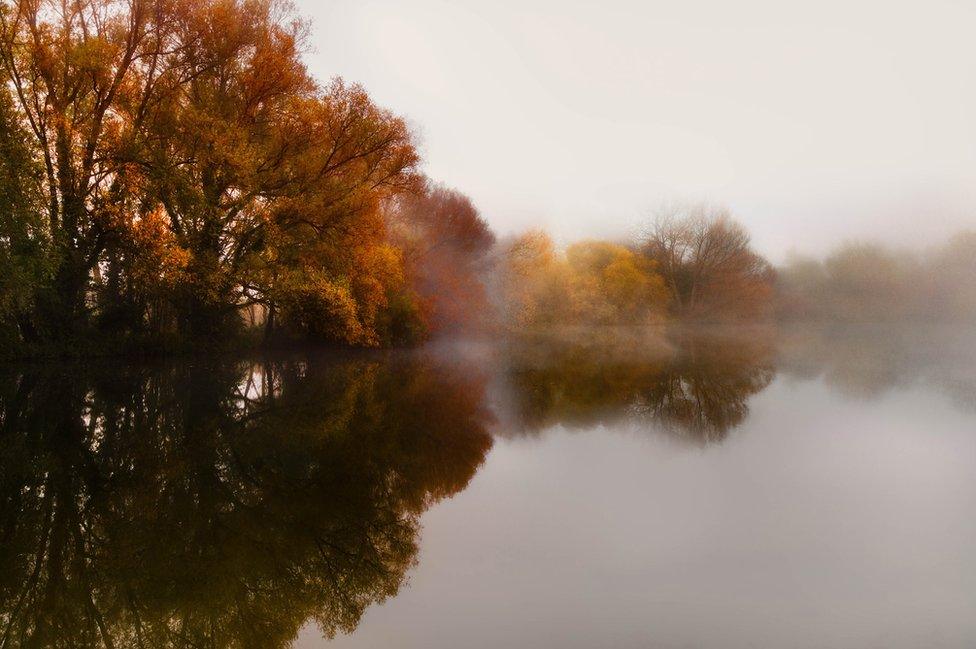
[693, 263]
[867, 282]
[171, 176]
[170, 171]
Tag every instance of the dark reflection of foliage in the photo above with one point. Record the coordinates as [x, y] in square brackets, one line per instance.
[697, 389]
[220, 504]
[868, 361]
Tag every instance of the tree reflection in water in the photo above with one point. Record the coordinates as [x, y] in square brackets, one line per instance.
[868, 361]
[697, 388]
[220, 504]
[227, 504]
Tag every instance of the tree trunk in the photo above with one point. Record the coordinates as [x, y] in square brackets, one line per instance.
[269, 323]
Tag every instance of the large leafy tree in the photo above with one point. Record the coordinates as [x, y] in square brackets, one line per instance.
[191, 167]
[328, 266]
[69, 64]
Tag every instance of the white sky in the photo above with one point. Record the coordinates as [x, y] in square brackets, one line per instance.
[816, 122]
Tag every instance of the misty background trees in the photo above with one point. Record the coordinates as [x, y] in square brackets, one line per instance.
[866, 282]
[692, 263]
[446, 246]
[695, 264]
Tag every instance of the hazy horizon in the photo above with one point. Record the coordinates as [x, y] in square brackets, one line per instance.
[814, 124]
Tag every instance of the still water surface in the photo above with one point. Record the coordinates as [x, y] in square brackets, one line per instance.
[725, 489]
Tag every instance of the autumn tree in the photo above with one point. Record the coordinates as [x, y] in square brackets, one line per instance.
[591, 283]
[446, 245]
[190, 167]
[612, 284]
[708, 263]
[220, 147]
[274, 185]
[69, 64]
[327, 260]
[534, 282]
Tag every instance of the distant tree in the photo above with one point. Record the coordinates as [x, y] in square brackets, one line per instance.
[856, 282]
[799, 288]
[446, 245]
[952, 270]
[613, 285]
[535, 284]
[708, 264]
[592, 283]
[868, 282]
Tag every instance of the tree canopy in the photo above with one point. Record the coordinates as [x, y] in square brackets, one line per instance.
[174, 162]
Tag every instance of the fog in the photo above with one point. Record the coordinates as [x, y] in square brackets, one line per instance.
[867, 282]
[816, 123]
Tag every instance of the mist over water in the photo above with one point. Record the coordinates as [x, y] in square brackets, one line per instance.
[707, 487]
[812, 492]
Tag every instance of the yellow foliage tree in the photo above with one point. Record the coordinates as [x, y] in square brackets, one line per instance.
[614, 285]
[592, 283]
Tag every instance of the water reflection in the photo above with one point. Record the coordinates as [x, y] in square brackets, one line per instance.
[228, 504]
[218, 504]
[869, 361]
[697, 388]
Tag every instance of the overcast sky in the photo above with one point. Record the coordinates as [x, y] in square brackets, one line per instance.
[816, 122]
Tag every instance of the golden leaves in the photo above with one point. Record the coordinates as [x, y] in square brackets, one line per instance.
[592, 283]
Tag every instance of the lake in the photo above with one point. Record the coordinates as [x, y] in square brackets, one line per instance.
[726, 488]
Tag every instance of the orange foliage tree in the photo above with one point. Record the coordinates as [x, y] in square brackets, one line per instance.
[446, 245]
[186, 152]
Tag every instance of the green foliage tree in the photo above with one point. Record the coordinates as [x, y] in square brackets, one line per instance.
[25, 264]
